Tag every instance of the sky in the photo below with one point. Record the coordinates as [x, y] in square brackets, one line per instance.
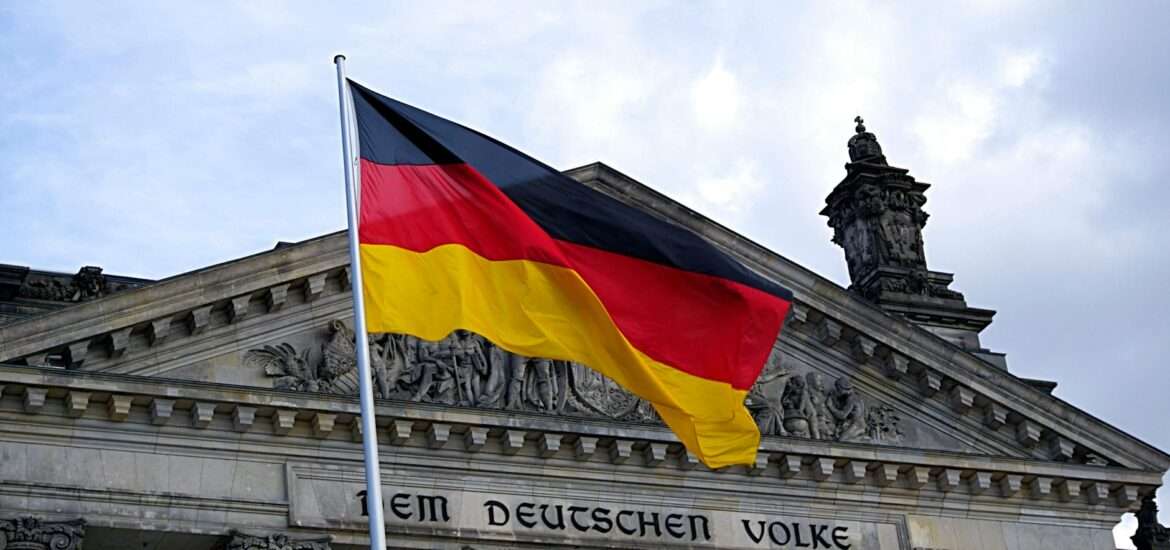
[160, 137]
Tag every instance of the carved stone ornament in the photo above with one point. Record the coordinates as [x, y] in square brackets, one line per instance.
[804, 405]
[463, 369]
[1150, 534]
[88, 284]
[466, 370]
[877, 218]
[864, 146]
[241, 541]
[29, 533]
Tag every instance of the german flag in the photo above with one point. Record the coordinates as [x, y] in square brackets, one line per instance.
[460, 231]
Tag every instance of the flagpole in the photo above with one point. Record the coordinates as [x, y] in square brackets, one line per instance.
[365, 389]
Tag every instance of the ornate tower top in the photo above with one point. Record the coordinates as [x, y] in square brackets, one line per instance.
[864, 146]
[877, 218]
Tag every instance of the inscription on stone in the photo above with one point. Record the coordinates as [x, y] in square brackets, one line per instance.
[599, 519]
[587, 519]
[571, 514]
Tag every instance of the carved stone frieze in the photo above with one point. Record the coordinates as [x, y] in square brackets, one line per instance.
[30, 533]
[466, 370]
[241, 541]
[89, 283]
[803, 405]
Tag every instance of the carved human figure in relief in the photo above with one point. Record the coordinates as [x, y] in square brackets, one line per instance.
[534, 380]
[388, 362]
[797, 408]
[90, 284]
[900, 238]
[434, 365]
[821, 423]
[517, 370]
[490, 379]
[768, 407]
[848, 410]
[466, 358]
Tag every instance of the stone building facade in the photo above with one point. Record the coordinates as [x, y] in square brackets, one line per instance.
[217, 410]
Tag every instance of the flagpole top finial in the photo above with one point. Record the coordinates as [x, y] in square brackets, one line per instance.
[338, 58]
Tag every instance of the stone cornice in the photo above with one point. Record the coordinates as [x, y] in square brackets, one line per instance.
[230, 412]
[920, 357]
[184, 294]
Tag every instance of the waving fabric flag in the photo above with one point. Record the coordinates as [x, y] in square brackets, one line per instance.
[459, 231]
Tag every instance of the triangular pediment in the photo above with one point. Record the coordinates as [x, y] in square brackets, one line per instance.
[844, 371]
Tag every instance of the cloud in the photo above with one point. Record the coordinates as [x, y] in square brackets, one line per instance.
[728, 193]
[952, 127]
[715, 98]
[594, 101]
[1020, 67]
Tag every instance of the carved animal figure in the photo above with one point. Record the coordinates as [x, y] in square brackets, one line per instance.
[338, 352]
[292, 369]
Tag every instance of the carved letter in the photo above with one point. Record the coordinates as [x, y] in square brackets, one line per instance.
[573, 518]
[652, 523]
[525, 514]
[747, 527]
[560, 517]
[433, 504]
[601, 521]
[818, 532]
[796, 530]
[695, 529]
[675, 529]
[621, 526]
[492, 506]
[841, 537]
[400, 509]
[787, 534]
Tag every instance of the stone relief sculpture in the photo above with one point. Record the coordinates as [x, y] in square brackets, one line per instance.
[87, 284]
[466, 370]
[335, 372]
[30, 533]
[463, 369]
[241, 541]
[789, 404]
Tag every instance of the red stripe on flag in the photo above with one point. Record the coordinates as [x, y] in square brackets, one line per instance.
[421, 207]
[702, 325]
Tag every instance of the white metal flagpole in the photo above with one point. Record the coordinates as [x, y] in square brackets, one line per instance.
[365, 389]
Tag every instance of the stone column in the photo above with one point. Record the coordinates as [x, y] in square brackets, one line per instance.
[29, 533]
[276, 541]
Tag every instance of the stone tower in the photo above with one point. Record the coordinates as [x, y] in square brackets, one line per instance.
[877, 218]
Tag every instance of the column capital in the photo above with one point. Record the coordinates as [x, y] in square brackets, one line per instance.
[31, 533]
